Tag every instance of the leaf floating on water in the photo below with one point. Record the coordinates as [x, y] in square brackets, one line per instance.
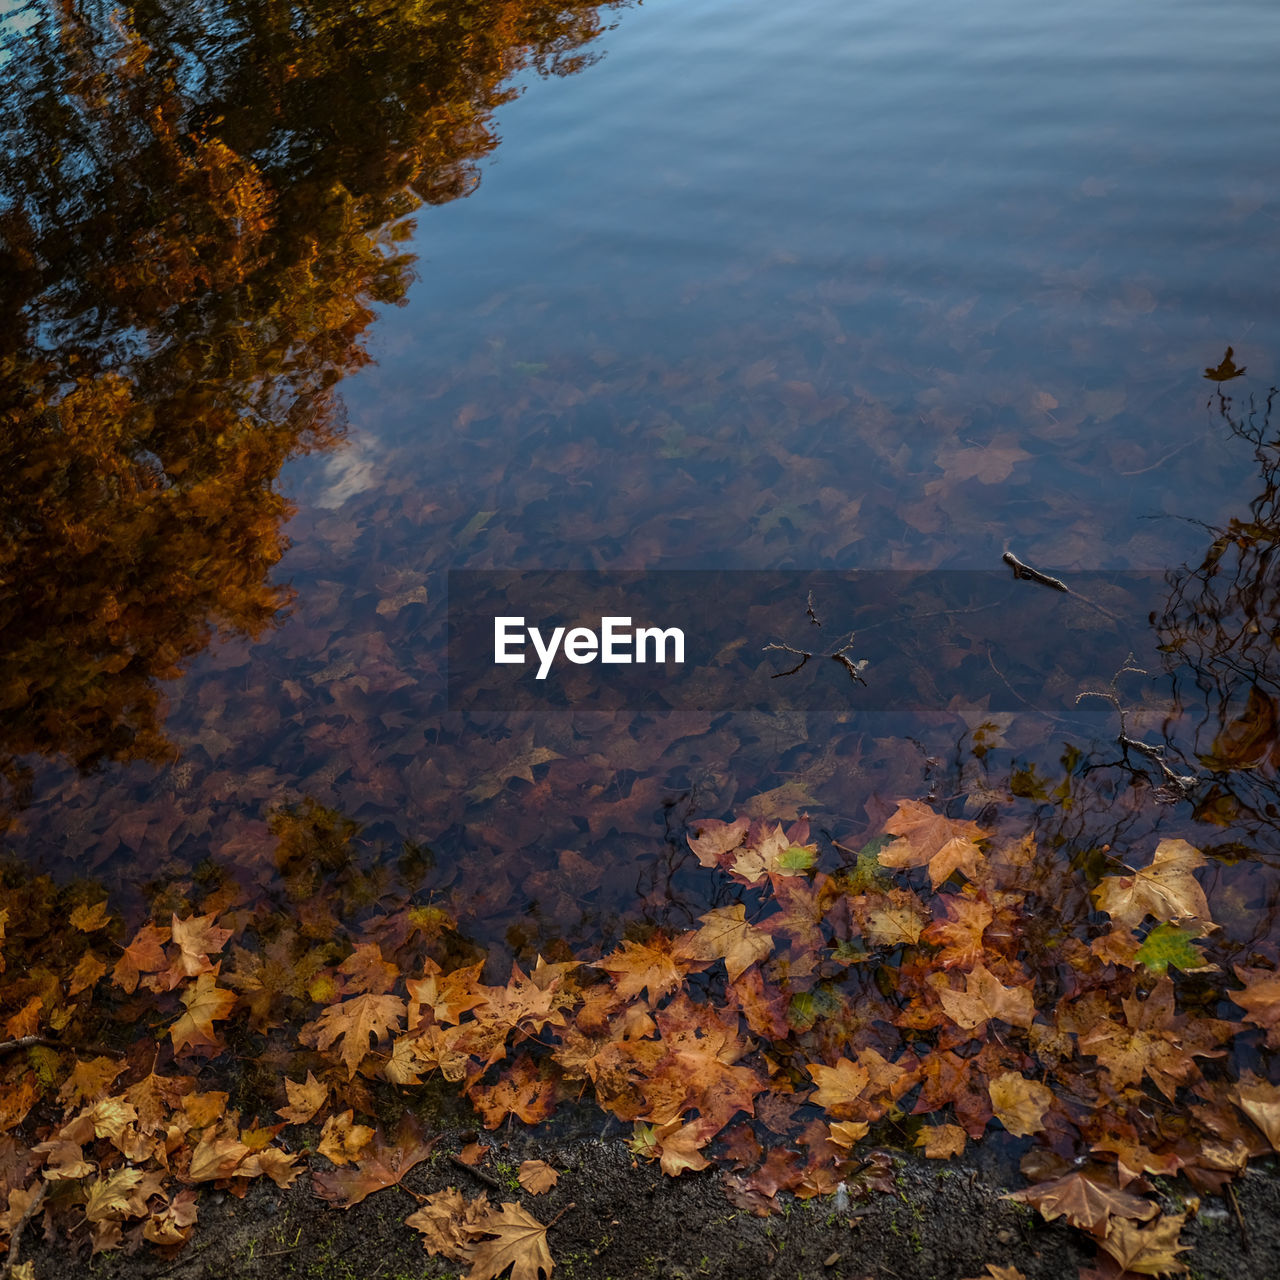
[1226, 369]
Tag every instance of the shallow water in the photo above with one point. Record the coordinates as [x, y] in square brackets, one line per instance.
[835, 287]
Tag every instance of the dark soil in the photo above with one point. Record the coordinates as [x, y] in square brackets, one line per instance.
[614, 1219]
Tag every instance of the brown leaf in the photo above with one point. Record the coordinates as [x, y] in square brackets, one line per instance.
[305, 1099]
[205, 1003]
[726, 935]
[942, 1141]
[536, 1176]
[352, 1022]
[342, 1140]
[520, 1242]
[197, 939]
[1149, 1251]
[88, 919]
[1019, 1104]
[1166, 889]
[1085, 1200]
[383, 1166]
[984, 997]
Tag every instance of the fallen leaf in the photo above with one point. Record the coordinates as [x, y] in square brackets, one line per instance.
[520, 1242]
[536, 1176]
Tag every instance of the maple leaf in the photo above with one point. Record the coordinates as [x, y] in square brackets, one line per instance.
[88, 919]
[352, 1022]
[985, 996]
[522, 1092]
[1260, 1101]
[342, 1140]
[1166, 889]
[713, 839]
[216, 1156]
[536, 1176]
[1148, 1251]
[197, 939]
[86, 973]
[368, 971]
[520, 765]
[802, 910]
[445, 996]
[1085, 1200]
[173, 1224]
[205, 1003]
[89, 1081]
[844, 1133]
[839, 1087]
[447, 1221]
[114, 1196]
[726, 935]
[63, 1159]
[382, 1165]
[942, 1141]
[651, 966]
[1171, 944]
[520, 1242]
[145, 954]
[1261, 1000]
[305, 1099]
[960, 934]
[1019, 1104]
[763, 1006]
[26, 1020]
[1153, 1041]
[945, 845]
[890, 918]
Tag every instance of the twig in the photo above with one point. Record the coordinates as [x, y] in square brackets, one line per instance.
[1172, 454]
[786, 648]
[855, 669]
[813, 617]
[24, 1042]
[561, 1214]
[1235, 1207]
[1026, 572]
[492, 1183]
[15, 1239]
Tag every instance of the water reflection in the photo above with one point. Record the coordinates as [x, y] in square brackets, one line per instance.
[203, 207]
[1220, 624]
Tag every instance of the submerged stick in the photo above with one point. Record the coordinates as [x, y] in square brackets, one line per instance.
[1026, 572]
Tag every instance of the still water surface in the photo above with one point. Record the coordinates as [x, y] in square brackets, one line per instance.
[822, 286]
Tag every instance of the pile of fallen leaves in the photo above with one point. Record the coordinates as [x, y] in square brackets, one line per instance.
[938, 985]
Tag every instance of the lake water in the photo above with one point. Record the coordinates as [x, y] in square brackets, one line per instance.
[828, 286]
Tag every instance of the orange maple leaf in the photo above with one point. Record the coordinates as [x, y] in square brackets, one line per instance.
[205, 1003]
[653, 967]
[352, 1022]
[944, 844]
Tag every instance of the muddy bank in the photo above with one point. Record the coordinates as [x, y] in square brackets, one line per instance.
[614, 1218]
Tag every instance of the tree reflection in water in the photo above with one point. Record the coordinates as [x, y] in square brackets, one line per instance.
[203, 206]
